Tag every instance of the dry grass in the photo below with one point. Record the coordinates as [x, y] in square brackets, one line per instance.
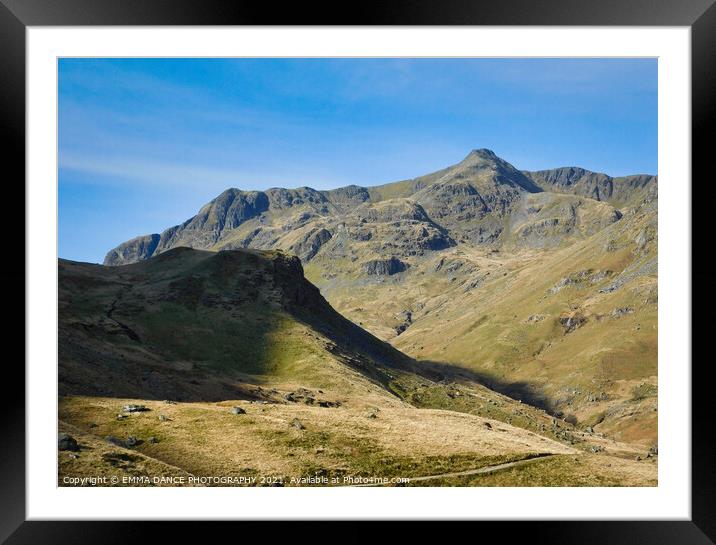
[98, 458]
[205, 439]
[491, 328]
[569, 470]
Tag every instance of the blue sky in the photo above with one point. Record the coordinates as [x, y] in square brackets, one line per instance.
[143, 143]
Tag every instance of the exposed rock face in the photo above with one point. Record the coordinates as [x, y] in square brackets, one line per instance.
[133, 250]
[397, 226]
[623, 311]
[580, 279]
[478, 263]
[578, 181]
[471, 199]
[481, 200]
[349, 196]
[380, 267]
[394, 210]
[229, 210]
[571, 322]
[546, 220]
[280, 198]
[311, 243]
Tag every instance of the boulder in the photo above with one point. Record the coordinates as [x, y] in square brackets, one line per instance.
[237, 410]
[619, 312]
[66, 442]
[130, 442]
[296, 423]
[384, 267]
[131, 408]
[570, 323]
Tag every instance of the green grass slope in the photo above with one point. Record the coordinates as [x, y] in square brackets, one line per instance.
[192, 334]
[577, 326]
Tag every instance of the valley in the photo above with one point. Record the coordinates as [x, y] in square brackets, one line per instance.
[434, 327]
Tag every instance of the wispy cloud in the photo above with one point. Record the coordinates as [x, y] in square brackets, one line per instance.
[153, 138]
[152, 172]
[143, 173]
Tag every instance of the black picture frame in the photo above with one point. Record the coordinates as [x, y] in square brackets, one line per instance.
[16, 15]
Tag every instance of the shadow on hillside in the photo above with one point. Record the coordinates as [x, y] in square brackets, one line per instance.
[523, 391]
[183, 326]
[197, 326]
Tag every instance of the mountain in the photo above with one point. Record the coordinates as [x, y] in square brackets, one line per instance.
[186, 324]
[471, 201]
[576, 324]
[620, 191]
[444, 266]
[526, 299]
[196, 363]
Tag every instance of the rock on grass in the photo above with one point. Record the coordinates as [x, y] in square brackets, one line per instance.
[66, 442]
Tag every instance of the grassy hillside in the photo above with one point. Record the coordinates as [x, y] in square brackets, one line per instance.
[527, 298]
[578, 327]
[201, 439]
[190, 336]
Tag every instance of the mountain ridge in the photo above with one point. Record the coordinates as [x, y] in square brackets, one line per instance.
[245, 312]
[474, 312]
[249, 367]
[480, 189]
[428, 265]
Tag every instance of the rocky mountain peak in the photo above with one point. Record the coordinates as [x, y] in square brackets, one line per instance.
[468, 200]
[482, 158]
[482, 153]
[483, 165]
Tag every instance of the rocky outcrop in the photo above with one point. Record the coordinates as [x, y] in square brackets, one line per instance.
[384, 267]
[546, 220]
[311, 243]
[348, 197]
[281, 199]
[482, 199]
[571, 322]
[67, 442]
[225, 213]
[472, 199]
[134, 250]
[203, 314]
[618, 191]
[581, 279]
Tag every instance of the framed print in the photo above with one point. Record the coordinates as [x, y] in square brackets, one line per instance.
[428, 264]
